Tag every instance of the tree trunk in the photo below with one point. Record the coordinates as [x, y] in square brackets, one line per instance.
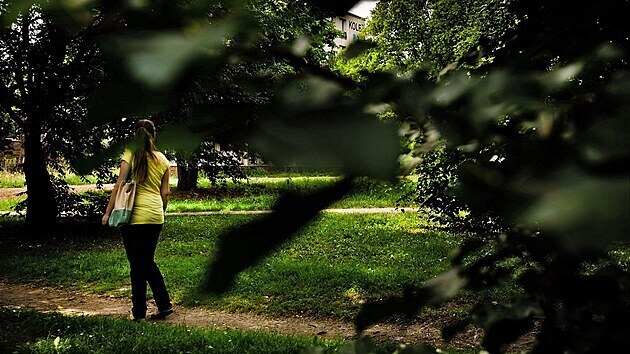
[187, 175]
[41, 210]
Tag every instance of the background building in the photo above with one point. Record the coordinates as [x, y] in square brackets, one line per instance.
[12, 155]
[350, 24]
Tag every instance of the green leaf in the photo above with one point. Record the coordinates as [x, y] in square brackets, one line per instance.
[417, 349]
[121, 98]
[561, 76]
[608, 142]
[445, 286]
[431, 293]
[363, 147]
[312, 350]
[309, 92]
[180, 138]
[584, 212]
[158, 59]
[357, 48]
[363, 345]
[503, 324]
[87, 164]
[316, 125]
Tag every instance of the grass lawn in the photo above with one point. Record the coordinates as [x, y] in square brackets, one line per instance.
[31, 332]
[16, 180]
[261, 194]
[7, 204]
[329, 269]
[11, 180]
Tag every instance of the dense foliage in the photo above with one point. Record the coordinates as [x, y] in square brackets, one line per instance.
[429, 35]
[552, 105]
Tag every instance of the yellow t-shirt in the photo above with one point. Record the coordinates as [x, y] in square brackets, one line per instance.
[147, 208]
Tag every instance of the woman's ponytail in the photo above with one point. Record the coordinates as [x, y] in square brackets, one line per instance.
[145, 134]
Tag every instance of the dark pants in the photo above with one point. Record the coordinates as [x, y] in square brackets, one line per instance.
[140, 242]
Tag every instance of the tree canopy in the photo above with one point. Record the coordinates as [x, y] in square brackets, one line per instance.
[46, 72]
[418, 35]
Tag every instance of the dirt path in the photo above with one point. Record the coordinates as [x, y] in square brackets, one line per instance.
[337, 211]
[255, 212]
[15, 192]
[70, 302]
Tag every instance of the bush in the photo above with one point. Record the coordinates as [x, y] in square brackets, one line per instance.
[436, 192]
[90, 205]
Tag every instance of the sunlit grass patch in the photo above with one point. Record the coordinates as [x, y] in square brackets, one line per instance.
[73, 179]
[260, 202]
[261, 194]
[7, 204]
[11, 179]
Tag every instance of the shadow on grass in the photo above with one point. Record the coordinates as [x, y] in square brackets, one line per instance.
[26, 331]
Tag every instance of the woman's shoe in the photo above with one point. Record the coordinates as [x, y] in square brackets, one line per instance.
[162, 314]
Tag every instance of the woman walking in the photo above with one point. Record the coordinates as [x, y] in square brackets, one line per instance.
[150, 168]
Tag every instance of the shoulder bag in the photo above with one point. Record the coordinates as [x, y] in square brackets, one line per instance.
[123, 205]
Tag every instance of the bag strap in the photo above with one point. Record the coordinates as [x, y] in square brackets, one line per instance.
[129, 169]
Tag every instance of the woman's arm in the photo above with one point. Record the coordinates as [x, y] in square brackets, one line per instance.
[124, 167]
[165, 189]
